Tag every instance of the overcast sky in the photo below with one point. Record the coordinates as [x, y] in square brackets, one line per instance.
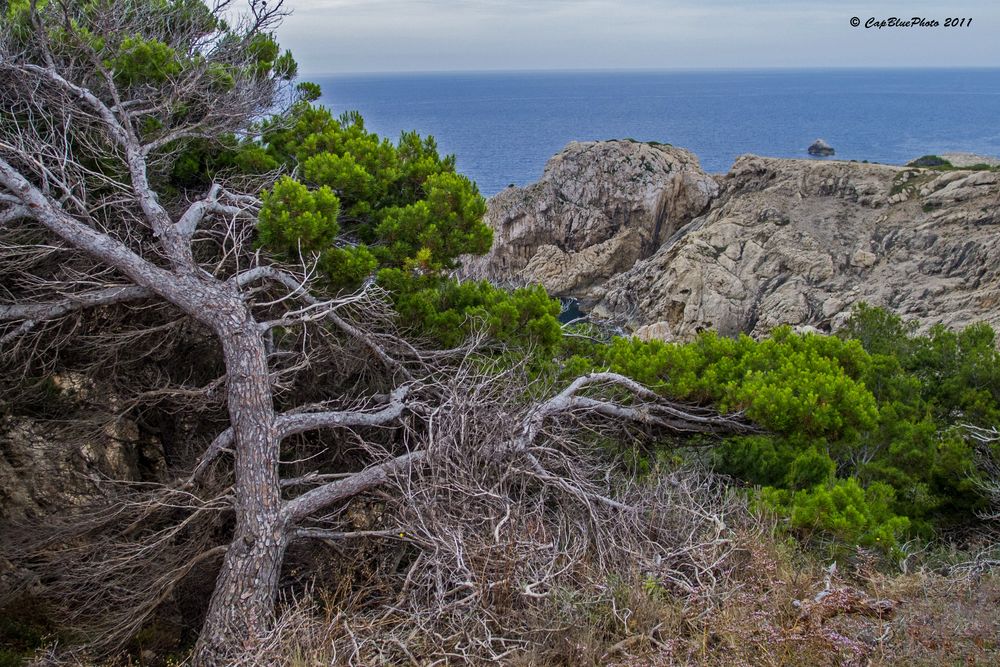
[336, 36]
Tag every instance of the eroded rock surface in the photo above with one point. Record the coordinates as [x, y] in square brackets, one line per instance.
[784, 241]
[598, 208]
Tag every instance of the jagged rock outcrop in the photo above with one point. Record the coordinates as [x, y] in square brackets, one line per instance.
[785, 241]
[599, 207]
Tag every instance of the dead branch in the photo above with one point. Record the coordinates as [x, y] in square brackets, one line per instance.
[31, 314]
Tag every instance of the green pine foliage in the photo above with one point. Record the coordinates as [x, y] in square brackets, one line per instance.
[365, 208]
[841, 512]
[449, 311]
[399, 205]
[143, 61]
[862, 440]
[295, 219]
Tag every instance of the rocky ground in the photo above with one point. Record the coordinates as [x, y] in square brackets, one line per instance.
[599, 208]
[970, 159]
[640, 234]
[60, 456]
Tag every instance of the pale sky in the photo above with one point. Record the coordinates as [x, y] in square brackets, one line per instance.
[338, 36]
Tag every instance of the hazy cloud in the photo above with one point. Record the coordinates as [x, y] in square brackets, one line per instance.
[411, 35]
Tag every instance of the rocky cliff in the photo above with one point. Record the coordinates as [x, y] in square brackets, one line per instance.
[598, 208]
[645, 237]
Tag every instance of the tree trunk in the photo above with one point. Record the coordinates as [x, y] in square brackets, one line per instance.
[242, 604]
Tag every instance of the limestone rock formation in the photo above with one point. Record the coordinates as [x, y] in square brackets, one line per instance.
[784, 241]
[598, 208]
[799, 242]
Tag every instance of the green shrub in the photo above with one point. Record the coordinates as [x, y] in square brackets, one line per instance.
[869, 414]
[397, 205]
[929, 161]
[843, 511]
[449, 311]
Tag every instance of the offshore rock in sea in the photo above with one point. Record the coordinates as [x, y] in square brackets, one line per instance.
[598, 209]
[820, 148]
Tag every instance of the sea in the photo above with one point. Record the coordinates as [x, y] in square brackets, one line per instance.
[503, 126]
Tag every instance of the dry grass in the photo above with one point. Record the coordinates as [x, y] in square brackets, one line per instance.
[945, 620]
[765, 603]
[930, 619]
[935, 619]
[752, 619]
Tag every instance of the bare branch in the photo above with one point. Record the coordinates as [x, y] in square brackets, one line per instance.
[313, 478]
[657, 410]
[301, 292]
[220, 445]
[335, 535]
[84, 96]
[14, 213]
[99, 245]
[329, 494]
[36, 313]
[987, 475]
[291, 424]
[176, 135]
[189, 221]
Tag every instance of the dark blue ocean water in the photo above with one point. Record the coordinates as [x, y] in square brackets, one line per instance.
[504, 126]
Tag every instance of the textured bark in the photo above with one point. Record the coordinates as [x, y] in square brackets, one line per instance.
[242, 604]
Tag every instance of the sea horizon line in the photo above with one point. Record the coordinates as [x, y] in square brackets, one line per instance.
[655, 70]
